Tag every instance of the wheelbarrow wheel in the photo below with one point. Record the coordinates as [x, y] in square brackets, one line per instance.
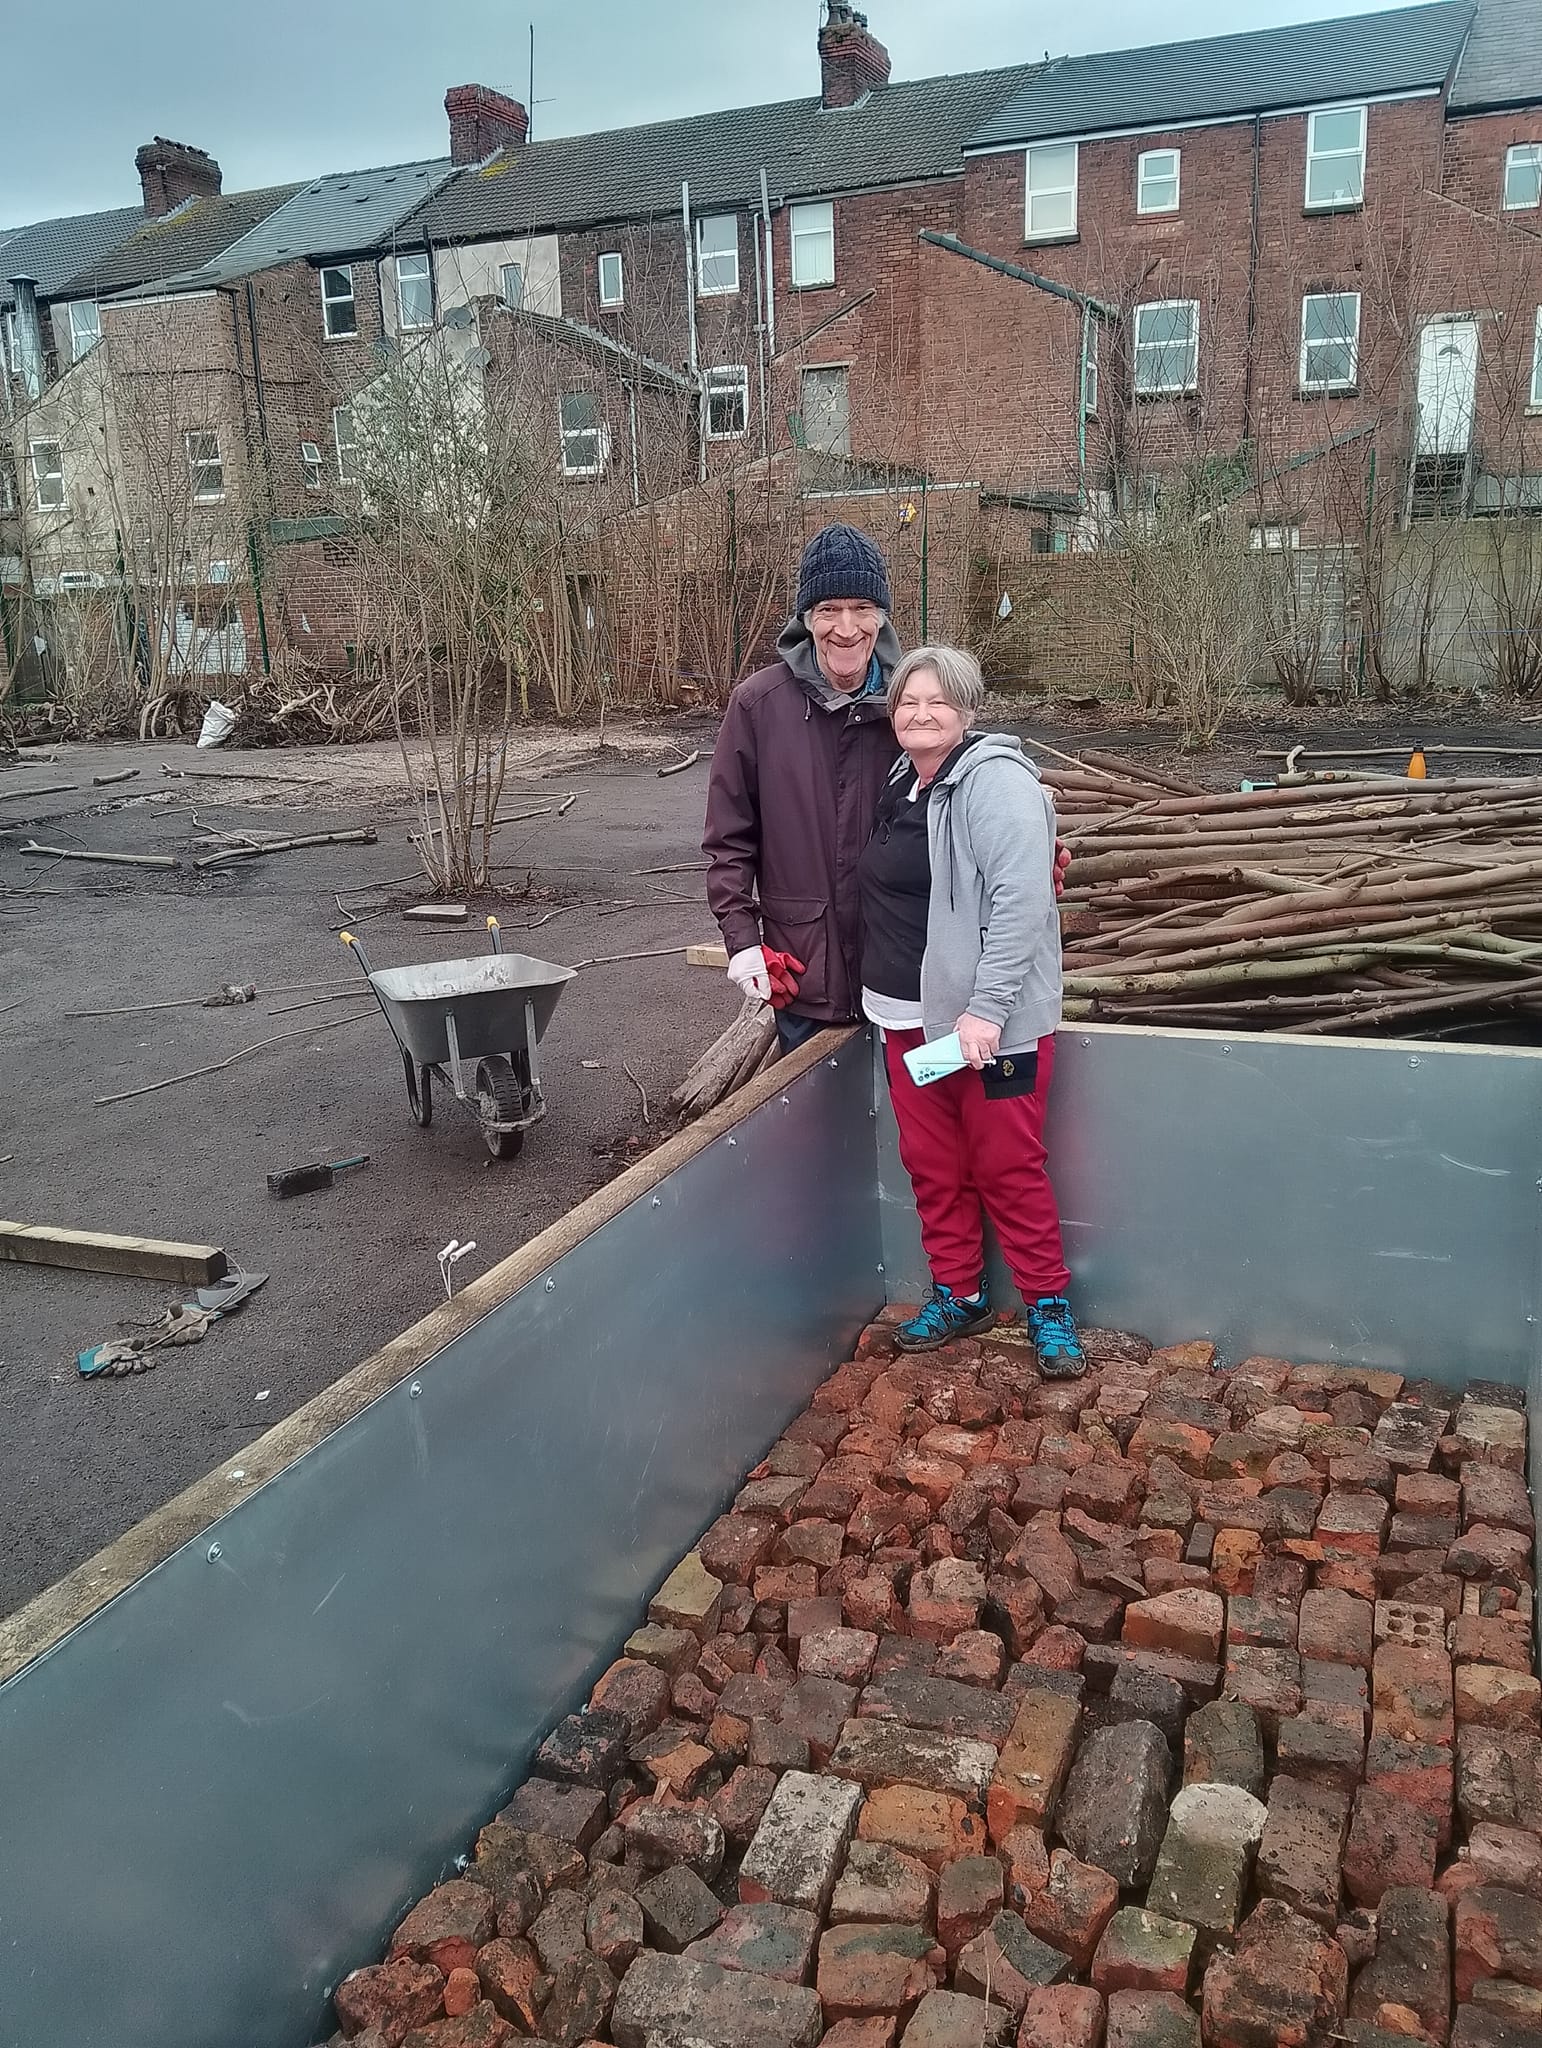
[500, 1099]
[420, 1091]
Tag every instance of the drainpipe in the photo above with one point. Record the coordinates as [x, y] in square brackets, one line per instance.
[690, 302]
[760, 345]
[765, 210]
[29, 337]
[631, 421]
[1081, 410]
[1247, 388]
[252, 552]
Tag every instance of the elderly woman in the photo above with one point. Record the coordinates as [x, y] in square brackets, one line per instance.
[960, 934]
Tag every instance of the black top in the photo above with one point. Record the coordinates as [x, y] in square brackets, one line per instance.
[896, 879]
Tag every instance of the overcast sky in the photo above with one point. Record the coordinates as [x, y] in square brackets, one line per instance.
[285, 89]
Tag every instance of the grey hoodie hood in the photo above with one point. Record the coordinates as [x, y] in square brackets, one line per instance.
[795, 646]
[981, 747]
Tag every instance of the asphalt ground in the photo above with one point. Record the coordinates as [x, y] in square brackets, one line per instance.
[81, 1460]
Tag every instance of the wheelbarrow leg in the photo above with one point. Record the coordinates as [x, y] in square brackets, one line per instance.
[420, 1090]
[532, 1073]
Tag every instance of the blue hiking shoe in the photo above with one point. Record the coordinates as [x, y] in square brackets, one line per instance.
[944, 1316]
[1052, 1330]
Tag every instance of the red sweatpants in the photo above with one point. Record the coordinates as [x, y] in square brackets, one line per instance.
[962, 1150]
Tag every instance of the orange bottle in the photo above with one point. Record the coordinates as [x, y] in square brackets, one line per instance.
[1417, 770]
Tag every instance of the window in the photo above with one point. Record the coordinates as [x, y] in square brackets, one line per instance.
[511, 284]
[1536, 365]
[85, 328]
[1275, 540]
[728, 402]
[1330, 341]
[612, 292]
[345, 438]
[310, 462]
[827, 410]
[338, 313]
[204, 465]
[414, 292]
[1335, 158]
[48, 475]
[1156, 181]
[1051, 191]
[1167, 346]
[1090, 385]
[813, 244]
[582, 435]
[717, 255]
[1523, 176]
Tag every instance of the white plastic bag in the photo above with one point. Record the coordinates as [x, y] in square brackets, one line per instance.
[219, 722]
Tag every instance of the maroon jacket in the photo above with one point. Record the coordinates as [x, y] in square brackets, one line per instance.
[790, 804]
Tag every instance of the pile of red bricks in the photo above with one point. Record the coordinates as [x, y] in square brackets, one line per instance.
[1163, 1706]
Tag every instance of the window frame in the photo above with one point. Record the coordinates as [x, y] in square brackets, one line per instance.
[618, 296]
[1274, 537]
[312, 465]
[1513, 156]
[726, 380]
[1314, 155]
[1164, 390]
[1317, 386]
[1536, 367]
[514, 304]
[1090, 386]
[703, 256]
[55, 469]
[197, 462]
[1143, 178]
[1060, 234]
[425, 277]
[569, 434]
[350, 298]
[77, 353]
[805, 234]
[347, 471]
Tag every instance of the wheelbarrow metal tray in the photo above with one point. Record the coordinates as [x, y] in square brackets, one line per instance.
[487, 995]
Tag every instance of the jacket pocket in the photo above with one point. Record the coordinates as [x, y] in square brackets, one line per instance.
[800, 925]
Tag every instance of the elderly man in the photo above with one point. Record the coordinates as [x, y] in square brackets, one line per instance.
[803, 755]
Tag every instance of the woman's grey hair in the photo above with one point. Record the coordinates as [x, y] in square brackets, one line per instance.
[958, 676]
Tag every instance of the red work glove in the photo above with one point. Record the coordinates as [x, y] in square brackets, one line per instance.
[1061, 862]
[783, 970]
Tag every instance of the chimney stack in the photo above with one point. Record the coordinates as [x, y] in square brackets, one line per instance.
[170, 172]
[481, 121]
[851, 62]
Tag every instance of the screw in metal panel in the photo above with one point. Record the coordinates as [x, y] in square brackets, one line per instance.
[1226, 1048]
[787, 1102]
[832, 1063]
[414, 1390]
[551, 1287]
[1086, 1041]
[214, 1551]
[1414, 1060]
[880, 1265]
[733, 1141]
[657, 1202]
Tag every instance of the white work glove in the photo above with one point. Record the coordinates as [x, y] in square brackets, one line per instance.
[747, 970]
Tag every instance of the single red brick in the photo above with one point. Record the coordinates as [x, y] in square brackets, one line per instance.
[1335, 1628]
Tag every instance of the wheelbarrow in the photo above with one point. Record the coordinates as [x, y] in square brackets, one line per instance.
[480, 1017]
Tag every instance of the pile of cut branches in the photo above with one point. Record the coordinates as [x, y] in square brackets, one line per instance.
[1343, 905]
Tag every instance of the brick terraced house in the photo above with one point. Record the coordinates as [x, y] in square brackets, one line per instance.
[995, 316]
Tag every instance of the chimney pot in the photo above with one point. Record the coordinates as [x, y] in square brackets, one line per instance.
[481, 121]
[170, 172]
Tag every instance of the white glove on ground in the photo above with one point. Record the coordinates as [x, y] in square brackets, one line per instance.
[747, 970]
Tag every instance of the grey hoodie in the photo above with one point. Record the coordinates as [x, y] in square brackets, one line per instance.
[992, 933]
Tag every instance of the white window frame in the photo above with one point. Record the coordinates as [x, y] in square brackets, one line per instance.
[1314, 155]
[1146, 174]
[812, 223]
[1351, 341]
[40, 476]
[1527, 158]
[310, 462]
[329, 300]
[347, 448]
[93, 332]
[1274, 537]
[1536, 366]
[1049, 191]
[425, 276]
[515, 300]
[716, 255]
[1169, 390]
[8, 502]
[571, 434]
[727, 380]
[201, 461]
[617, 297]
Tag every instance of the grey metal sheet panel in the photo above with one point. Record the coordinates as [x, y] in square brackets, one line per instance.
[220, 1792]
[1355, 58]
[1305, 1198]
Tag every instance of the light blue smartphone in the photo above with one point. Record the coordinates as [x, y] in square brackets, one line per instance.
[935, 1060]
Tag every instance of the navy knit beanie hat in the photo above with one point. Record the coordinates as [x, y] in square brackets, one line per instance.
[840, 561]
